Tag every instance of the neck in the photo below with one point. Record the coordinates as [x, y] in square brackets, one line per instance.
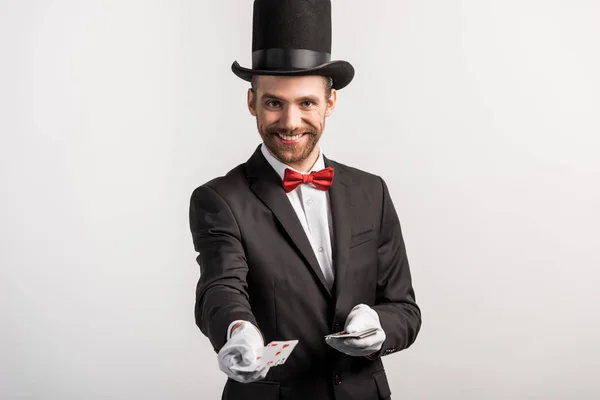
[306, 164]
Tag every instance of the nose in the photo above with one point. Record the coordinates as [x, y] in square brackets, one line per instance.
[291, 118]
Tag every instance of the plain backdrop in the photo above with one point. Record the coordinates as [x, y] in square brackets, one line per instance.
[482, 116]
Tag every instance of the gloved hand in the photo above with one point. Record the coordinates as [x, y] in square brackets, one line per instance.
[240, 352]
[360, 318]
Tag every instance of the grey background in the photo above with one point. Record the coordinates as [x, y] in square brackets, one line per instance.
[482, 116]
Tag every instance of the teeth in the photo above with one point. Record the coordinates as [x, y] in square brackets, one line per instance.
[296, 137]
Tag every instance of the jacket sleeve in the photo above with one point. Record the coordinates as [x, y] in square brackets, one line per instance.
[222, 291]
[395, 302]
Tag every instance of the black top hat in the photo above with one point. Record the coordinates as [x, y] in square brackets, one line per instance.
[293, 37]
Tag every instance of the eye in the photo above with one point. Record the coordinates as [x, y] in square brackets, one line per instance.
[308, 103]
[273, 103]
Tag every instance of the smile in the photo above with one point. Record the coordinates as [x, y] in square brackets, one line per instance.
[290, 139]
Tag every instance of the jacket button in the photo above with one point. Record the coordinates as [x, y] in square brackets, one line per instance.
[338, 379]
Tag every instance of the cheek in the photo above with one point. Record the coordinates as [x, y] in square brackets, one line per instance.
[315, 118]
[266, 118]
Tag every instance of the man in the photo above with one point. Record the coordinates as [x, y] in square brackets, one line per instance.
[293, 245]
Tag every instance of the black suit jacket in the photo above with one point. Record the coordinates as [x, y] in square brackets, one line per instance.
[256, 264]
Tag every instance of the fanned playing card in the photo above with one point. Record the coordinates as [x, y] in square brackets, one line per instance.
[273, 354]
[278, 352]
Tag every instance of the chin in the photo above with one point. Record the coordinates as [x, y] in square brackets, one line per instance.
[287, 154]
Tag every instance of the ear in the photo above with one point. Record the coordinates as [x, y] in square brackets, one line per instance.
[250, 100]
[331, 102]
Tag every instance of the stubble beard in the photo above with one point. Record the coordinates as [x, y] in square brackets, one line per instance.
[290, 154]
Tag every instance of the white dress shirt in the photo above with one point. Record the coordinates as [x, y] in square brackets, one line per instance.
[314, 212]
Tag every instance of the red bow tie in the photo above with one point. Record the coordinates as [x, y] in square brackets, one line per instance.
[321, 179]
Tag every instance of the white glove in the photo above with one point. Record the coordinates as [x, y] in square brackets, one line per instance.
[240, 351]
[360, 318]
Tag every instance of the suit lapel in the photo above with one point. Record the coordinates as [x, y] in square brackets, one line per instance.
[266, 184]
[341, 208]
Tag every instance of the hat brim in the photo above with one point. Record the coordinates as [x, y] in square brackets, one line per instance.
[341, 72]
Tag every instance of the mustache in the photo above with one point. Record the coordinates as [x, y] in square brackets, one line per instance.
[277, 130]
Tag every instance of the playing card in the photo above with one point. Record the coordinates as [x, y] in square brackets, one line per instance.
[273, 354]
[355, 335]
[269, 353]
[282, 352]
[363, 334]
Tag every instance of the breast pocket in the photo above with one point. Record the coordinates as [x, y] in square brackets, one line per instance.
[362, 236]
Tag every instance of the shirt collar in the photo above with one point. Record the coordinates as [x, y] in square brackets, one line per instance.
[280, 167]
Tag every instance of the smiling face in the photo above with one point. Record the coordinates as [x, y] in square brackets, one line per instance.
[290, 115]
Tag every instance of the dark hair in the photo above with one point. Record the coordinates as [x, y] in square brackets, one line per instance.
[328, 85]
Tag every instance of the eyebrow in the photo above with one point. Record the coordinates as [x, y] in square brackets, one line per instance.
[267, 95]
